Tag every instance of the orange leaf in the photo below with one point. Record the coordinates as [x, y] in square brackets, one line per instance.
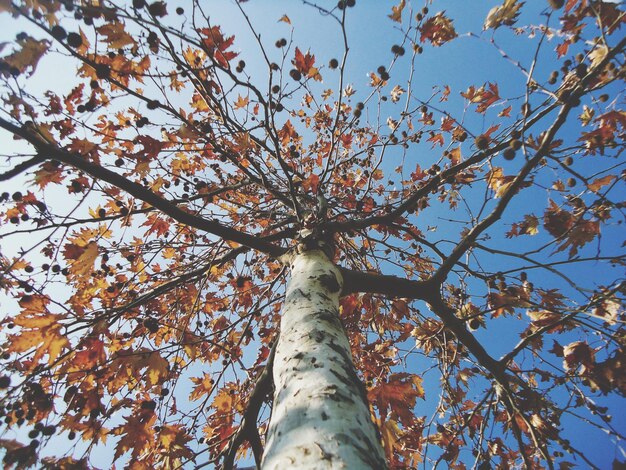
[302, 62]
[40, 330]
[600, 183]
[242, 102]
[137, 434]
[115, 35]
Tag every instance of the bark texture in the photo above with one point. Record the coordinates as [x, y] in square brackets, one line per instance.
[320, 418]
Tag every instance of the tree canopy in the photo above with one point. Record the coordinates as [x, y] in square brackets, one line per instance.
[161, 158]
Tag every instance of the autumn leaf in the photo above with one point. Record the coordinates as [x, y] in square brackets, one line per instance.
[242, 102]
[438, 30]
[116, 36]
[41, 330]
[203, 386]
[397, 394]
[481, 96]
[136, 434]
[599, 183]
[304, 64]
[498, 181]
[311, 183]
[31, 51]
[506, 112]
[578, 355]
[545, 318]
[390, 432]
[92, 354]
[557, 221]
[83, 258]
[217, 45]
[505, 14]
[396, 11]
[284, 19]
[48, 173]
[396, 93]
[158, 368]
[529, 226]
[575, 232]
[173, 439]
[287, 133]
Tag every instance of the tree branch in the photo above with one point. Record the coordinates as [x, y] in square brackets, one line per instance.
[21, 167]
[248, 430]
[393, 286]
[140, 192]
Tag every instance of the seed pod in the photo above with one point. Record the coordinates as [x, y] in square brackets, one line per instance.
[482, 142]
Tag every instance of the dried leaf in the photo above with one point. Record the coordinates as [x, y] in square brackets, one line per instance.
[396, 11]
[505, 14]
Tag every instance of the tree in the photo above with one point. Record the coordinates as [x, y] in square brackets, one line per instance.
[203, 257]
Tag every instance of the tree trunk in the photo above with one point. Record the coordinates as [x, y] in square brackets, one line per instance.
[320, 417]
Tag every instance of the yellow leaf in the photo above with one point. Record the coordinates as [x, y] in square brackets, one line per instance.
[498, 182]
[223, 401]
[241, 102]
[390, 432]
[83, 265]
[46, 340]
[34, 304]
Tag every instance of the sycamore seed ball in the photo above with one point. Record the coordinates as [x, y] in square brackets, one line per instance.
[556, 4]
[509, 153]
[482, 142]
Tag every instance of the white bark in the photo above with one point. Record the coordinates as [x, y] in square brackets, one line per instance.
[320, 417]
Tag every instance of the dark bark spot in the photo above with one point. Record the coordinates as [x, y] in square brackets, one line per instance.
[317, 335]
[345, 355]
[328, 316]
[329, 282]
[324, 416]
[295, 295]
[345, 380]
[300, 355]
[367, 453]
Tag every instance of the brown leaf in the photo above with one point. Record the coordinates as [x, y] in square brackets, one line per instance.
[396, 12]
[29, 55]
[600, 183]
